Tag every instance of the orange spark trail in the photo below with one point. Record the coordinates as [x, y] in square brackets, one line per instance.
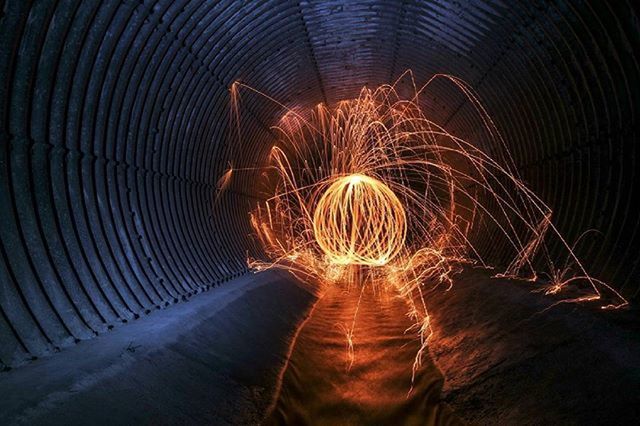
[373, 192]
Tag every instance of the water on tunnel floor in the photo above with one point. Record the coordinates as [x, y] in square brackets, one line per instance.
[318, 387]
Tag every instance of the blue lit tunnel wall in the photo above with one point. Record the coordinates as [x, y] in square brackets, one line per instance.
[115, 130]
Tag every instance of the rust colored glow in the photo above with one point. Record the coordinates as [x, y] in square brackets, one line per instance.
[223, 184]
[359, 221]
[373, 192]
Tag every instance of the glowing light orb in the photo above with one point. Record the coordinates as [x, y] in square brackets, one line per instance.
[359, 221]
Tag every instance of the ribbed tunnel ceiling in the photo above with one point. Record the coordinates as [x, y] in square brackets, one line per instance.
[115, 130]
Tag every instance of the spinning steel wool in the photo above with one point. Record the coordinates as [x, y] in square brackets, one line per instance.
[372, 192]
[359, 221]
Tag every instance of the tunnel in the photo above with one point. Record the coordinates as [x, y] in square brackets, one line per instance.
[134, 135]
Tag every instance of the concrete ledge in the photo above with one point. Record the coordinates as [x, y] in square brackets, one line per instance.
[507, 359]
[214, 359]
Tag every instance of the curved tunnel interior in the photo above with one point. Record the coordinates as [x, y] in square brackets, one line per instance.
[116, 129]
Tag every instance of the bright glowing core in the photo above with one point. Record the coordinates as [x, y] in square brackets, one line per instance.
[359, 221]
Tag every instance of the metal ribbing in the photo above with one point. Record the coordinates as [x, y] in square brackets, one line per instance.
[115, 128]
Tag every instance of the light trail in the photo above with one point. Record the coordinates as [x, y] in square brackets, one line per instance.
[373, 192]
[359, 221]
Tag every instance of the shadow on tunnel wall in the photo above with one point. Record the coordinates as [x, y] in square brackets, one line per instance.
[114, 132]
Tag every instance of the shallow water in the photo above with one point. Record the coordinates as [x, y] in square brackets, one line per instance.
[318, 387]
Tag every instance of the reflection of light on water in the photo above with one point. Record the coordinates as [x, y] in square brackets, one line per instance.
[374, 193]
[326, 384]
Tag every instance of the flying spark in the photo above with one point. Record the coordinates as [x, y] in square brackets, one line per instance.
[372, 192]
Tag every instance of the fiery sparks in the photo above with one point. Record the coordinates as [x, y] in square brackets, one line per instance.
[372, 192]
[359, 221]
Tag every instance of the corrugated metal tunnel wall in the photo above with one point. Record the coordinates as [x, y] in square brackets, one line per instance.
[114, 131]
